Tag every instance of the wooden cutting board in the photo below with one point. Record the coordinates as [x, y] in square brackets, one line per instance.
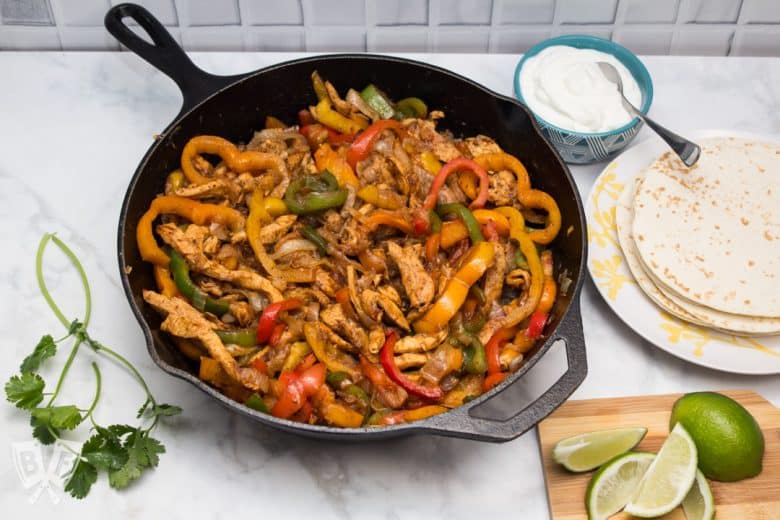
[752, 499]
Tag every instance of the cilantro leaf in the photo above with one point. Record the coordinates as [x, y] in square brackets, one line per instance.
[64, 417]
[45, 349]
[165, 410]
[104, 452]
[25, 390]
[142, 452]
[149, 450]
[43, 432]
[82, 476]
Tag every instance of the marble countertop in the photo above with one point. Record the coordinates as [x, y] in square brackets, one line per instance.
[73, 128]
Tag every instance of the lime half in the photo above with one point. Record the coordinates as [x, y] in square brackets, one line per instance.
[699, 504]
[615, 483]
[669, 477]
[588, 451]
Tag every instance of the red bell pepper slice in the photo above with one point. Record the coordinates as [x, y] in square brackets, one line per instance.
[276, 334]
[297, 387]
[493, 348]
[536, 325]
[335, 138]
[455, 165]
[490, 231]
[492, 380]
[361, 146]
[387, 357]
[305, 118]
[265, 325]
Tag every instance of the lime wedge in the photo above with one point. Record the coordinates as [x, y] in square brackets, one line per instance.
[588, 451]
[669, 477]
[615, 483]
[699, 504]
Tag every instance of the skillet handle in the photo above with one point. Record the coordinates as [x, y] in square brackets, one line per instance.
[165, 54]
[460, 423]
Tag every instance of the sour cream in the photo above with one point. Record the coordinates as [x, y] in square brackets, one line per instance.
[564, 86]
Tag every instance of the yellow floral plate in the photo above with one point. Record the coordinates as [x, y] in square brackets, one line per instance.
[614, 280]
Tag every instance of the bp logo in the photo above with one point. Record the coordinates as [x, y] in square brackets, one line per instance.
[43, 468]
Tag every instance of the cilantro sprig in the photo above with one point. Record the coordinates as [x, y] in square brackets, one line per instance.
[123, 452]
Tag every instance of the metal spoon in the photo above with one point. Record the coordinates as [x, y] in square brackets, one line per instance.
[687, 151]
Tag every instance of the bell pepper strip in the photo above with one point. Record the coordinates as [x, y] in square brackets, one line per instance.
[404, 416]
[377, 100]
[242, 337]
[164, 281]
[455, 230]
[181, 276]
[340, 415]
[455, 165]
[260, 365]
[334, 359]
[411, 107]
[387, 358]
[305, 118]
[337, 379]
[296, 388]
[236, 160]
[268, 319]
[319, 86]
[381, 198]
[494, 345]
[388, 218]
[490, 231]
[476, 322]
[549, 290]
[466, 217]
[276, 334]
[361, 146]
[328, 159]
[325, 115]
[175, 180]
[467, 181]
[255, 402]
[536, 325]
[474, 356]
[430, 163]
[432, 246]
[380, 380]
[196, 212]
[518, 311]
[493, 380]
[296, 356]
[311, 234]
[273, 122]
[342, 297]
[474, 264]
[528, 197]
[275, 207]
[314, 193]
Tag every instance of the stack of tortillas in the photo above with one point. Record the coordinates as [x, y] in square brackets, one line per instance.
[704, 242]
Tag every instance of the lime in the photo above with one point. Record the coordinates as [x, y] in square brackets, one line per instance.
[699, 504]
[728, 438]
[588, 451]
[615, 483]
[669, 477]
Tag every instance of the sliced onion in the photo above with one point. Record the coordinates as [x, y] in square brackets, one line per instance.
[566, 282]
[350, 202]
[293, 246]
[354, 99]
[257, 301]
[282, 134]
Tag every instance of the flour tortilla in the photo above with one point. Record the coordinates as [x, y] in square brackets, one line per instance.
[668, 301]
[710, 234]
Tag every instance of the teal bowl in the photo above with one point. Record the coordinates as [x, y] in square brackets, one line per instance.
[584, 148]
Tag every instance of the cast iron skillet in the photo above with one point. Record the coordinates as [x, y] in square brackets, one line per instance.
[234, 106]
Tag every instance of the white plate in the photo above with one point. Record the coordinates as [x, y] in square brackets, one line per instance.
[609, 271]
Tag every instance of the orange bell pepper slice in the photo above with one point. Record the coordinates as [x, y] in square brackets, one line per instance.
[326, 158]
[236, 160]
[454, 231]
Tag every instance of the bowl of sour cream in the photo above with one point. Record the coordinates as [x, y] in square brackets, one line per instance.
[577, 108]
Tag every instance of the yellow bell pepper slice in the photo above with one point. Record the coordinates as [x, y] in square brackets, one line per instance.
[430, 162]
[340, 415]
[298, 351]
[517, 314]
[454, 231]
[478, 259]
[275, 206]
[423, 412]
[325, 114]
[385, 199]
[328, 159]
[329, 355]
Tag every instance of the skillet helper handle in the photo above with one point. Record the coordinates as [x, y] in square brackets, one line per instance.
[165, 53]
[460, 423]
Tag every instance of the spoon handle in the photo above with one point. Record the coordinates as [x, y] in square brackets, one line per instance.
[687, 151]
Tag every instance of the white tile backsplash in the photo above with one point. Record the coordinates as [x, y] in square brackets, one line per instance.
[336, 12]
[463, 12]
[209, 12]
[80, 13]
[689, 27]
[401, 12]
[271, 12]
[518, 12]
[586, 11]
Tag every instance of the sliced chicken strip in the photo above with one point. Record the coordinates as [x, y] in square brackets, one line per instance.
[410, 360]
[494, 277]
[275, 230]
[333, 316]
[190, 245]
[218, 188]
[417, 283]
[184, 321]
[420, 342]
[373, 301]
